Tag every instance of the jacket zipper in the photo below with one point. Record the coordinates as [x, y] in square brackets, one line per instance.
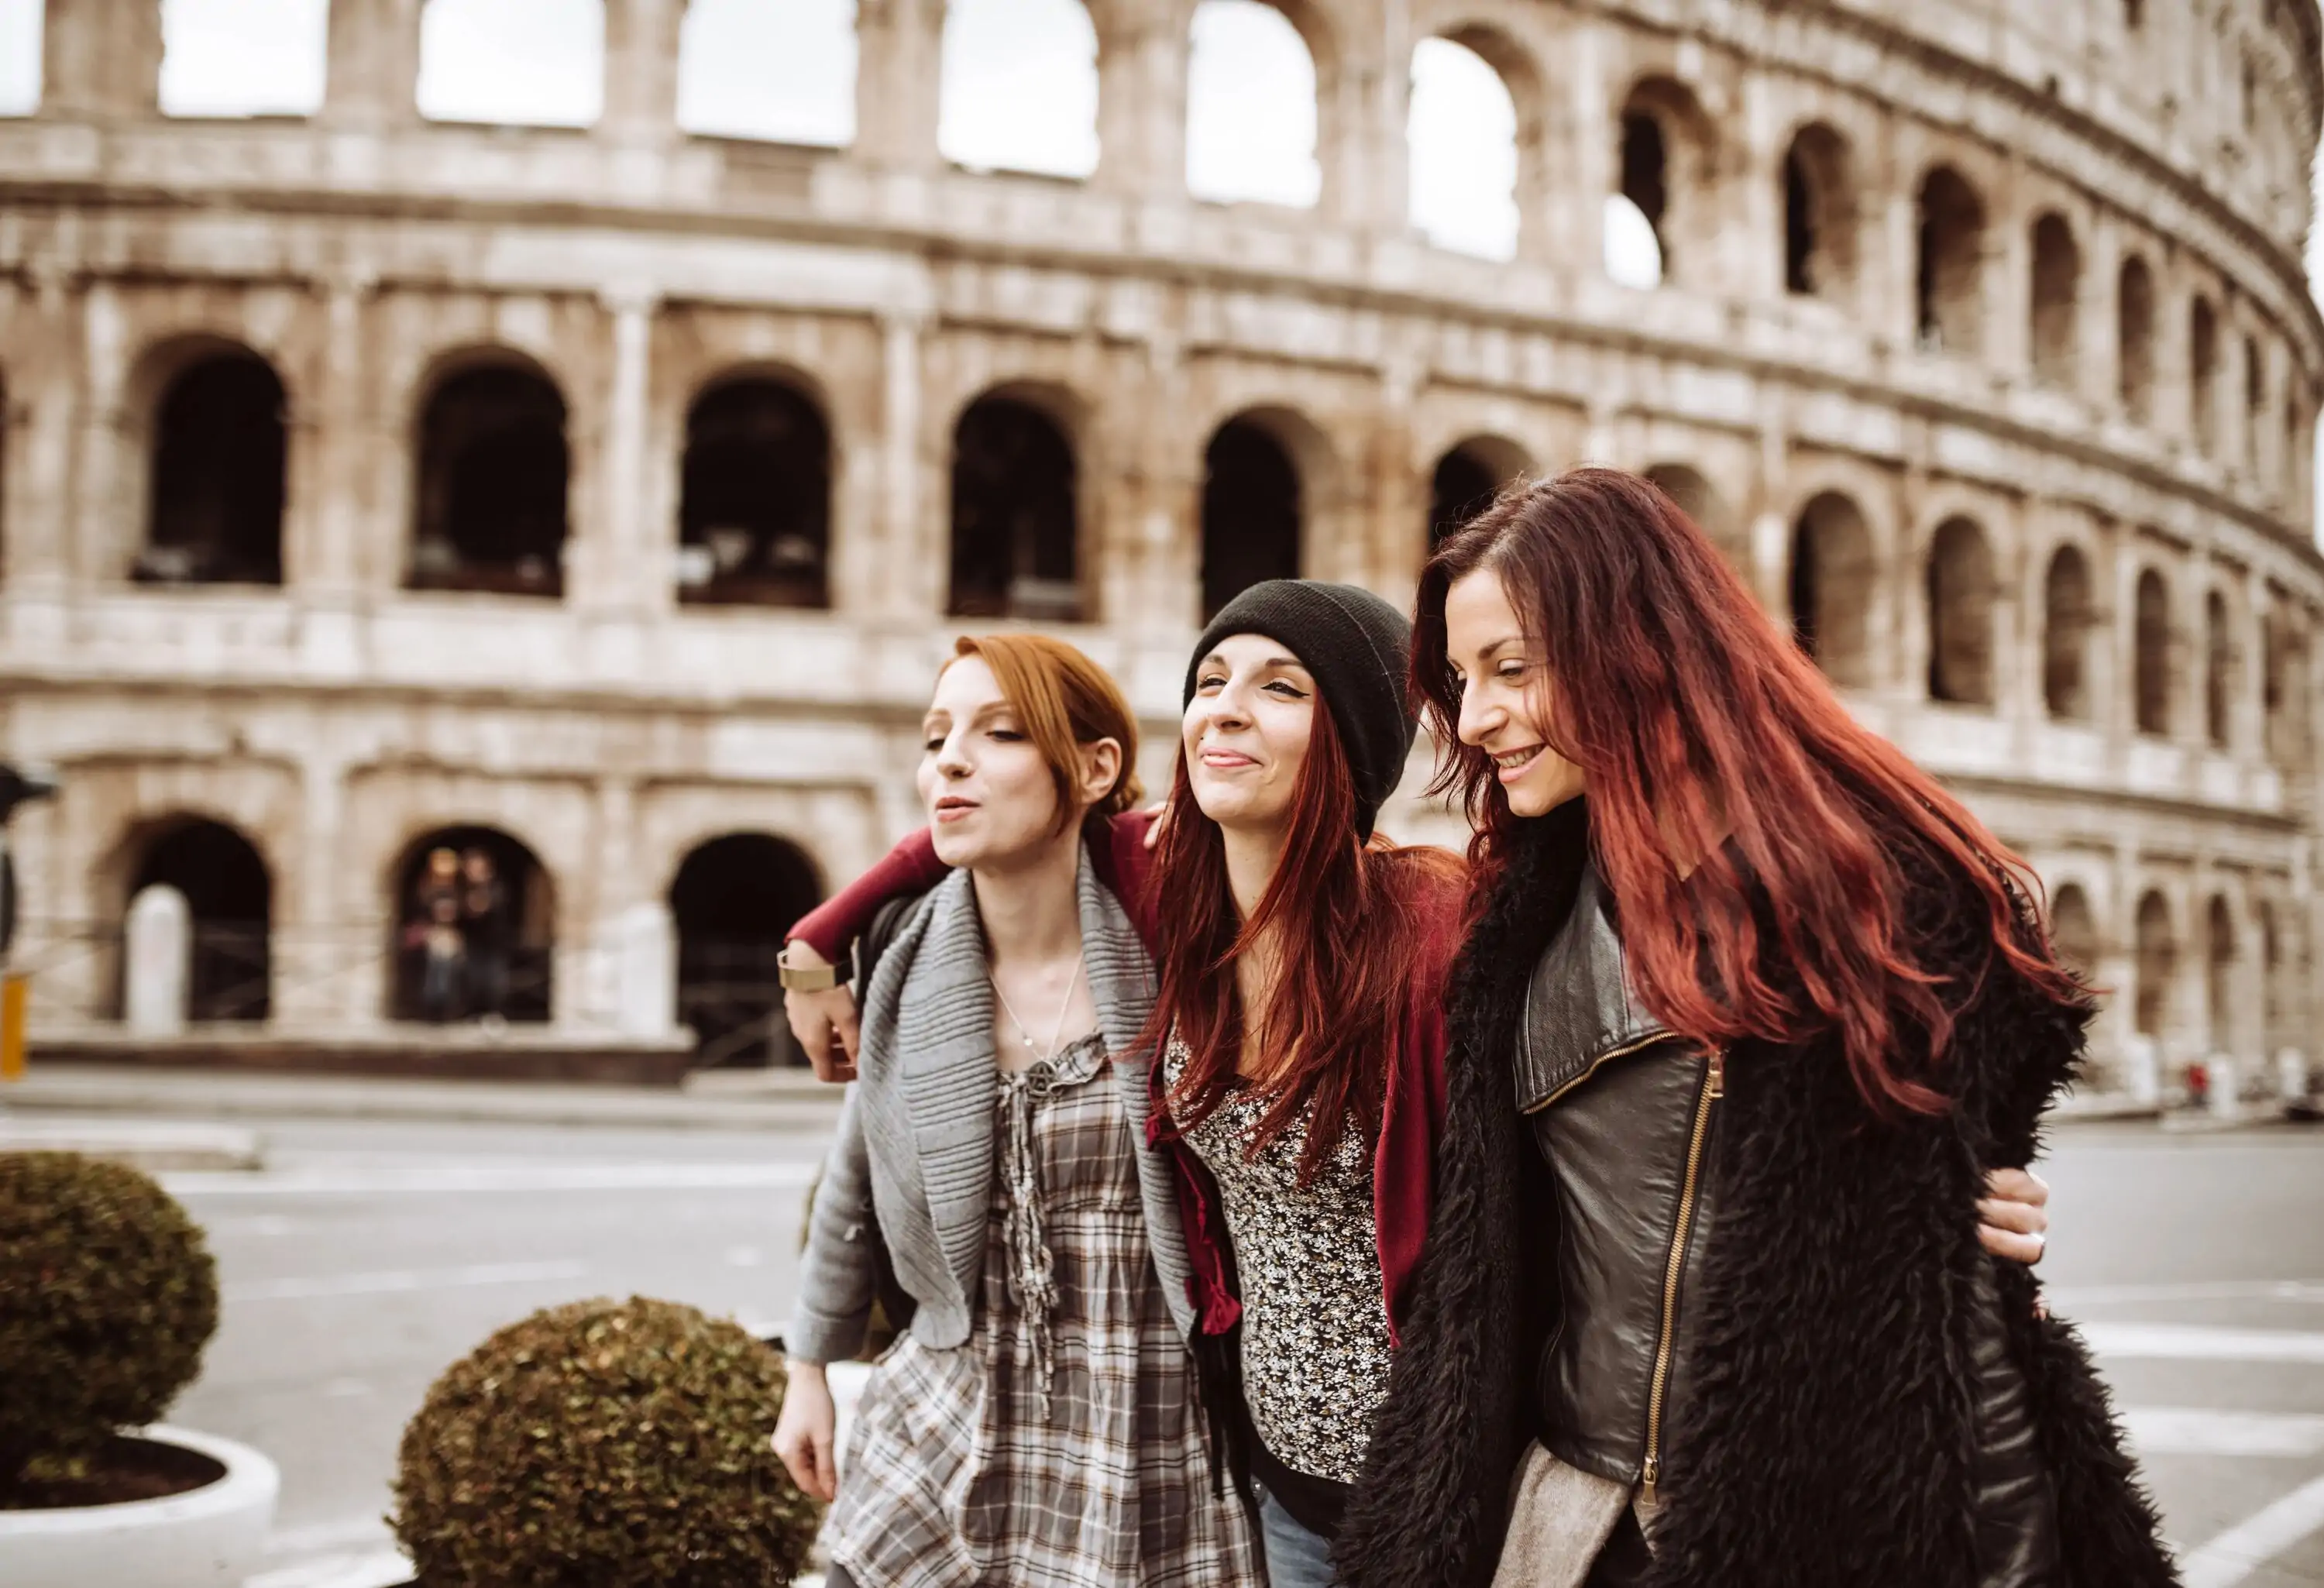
[1600, 1063]
[1714, 1086]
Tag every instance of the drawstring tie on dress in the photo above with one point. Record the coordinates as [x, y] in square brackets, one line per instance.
[1032, 1271]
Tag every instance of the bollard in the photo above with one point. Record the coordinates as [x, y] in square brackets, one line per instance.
[2292, 1074]
[645, 971]
[2227, 1099]
[2141, 1070]
[16, 997]
[160, 949]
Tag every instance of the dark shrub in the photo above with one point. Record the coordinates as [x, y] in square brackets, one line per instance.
[616, 1445]
[107, 1295]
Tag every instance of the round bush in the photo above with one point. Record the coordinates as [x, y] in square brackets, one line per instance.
[619, 1444]
[108, 1296]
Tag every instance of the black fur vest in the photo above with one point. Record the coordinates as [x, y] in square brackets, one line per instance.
[1831, 1442]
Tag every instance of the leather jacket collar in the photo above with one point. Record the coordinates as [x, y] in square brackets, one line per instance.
[1581, 1009]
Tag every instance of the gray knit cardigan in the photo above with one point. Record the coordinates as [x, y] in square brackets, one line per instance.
[915, 1136]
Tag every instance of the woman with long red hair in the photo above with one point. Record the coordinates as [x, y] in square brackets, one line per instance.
[1707, 1306]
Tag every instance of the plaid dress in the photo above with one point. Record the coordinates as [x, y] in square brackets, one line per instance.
[1061, 1446]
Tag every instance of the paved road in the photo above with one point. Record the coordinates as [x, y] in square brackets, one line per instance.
[370, 1255]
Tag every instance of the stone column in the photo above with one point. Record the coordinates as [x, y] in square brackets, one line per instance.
[899, 570]
[611, 564]
[2008, 278]
[324, 560]
[1142, 100]
[374, 63]
[101, 59]
[108, 516]
[1757, 256]
[1582, 164]
[641, 70]
[899, 46]
[42, 397]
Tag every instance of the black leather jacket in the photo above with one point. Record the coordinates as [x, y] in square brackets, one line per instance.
[1627, 1116]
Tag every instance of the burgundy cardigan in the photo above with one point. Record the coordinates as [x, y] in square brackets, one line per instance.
[1411, 1115]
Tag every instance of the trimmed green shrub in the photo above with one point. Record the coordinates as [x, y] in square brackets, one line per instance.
[619, 1445]
[108, 1296]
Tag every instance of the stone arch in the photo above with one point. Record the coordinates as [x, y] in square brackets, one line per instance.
[754, 497]
[1706, 506]
[1821, 214]
[1465, 123]
[2135, 338]
[2156, 950]
[220, 446]
[2220, 671]
[229, 893]
[2203, 373]
[2151, 644]
[500, 913]
[1017, 507]
[782, 74]
[490, 510]
[1256, 497]
[1466, 479]
[1832, 575]
[1242, 53]
[464, 46]
[1667, 171]
[1948, 291]
[1960, 591]
[731, 901]
[2068, 615]
[2221, 960]
[2054, 337]
[2074, 931]
[1019, 87]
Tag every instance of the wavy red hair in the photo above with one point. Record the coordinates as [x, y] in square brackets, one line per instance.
[1361, 929]
[1705, 732]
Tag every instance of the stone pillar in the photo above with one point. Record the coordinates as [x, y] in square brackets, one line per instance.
[158, 962]
[41, 391]
[1582, 164]
[641, 70]
[2008, 277]
[899, 46]
[101, 59]
[1141, 101]
[1756, 254]
[898, 570]
[323, 558]
[374, 63]
[109, 514]
[611, 564]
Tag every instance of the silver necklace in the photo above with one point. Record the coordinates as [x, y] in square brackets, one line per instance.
[1063, 1008]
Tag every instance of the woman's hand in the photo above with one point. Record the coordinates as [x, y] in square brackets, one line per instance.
[1160, 811]
[803, 1432]
[2014, 1222]
[823, 1022]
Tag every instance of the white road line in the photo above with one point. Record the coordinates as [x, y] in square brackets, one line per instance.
[2067, 1298]
[390, 1280]
[456, 1180]
[349, 1533]
[2236, 1554]
[2172, 1430]
[2200, 1342]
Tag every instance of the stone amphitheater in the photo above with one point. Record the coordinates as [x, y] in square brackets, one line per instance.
[602, 498]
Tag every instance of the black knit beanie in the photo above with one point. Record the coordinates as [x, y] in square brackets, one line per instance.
[1359, 648]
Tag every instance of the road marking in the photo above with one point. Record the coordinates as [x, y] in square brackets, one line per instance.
[2170, 1430]
[377, 1568]
[2199, 1343]
[2236, 1554]
[2066, 1299]
[391, 1280]
[368, 1532]
[470, 1179]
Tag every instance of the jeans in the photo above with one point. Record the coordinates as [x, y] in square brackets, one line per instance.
[1295, 1557]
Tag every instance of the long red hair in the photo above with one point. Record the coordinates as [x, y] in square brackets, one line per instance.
[1360, 931]
[1707, 737]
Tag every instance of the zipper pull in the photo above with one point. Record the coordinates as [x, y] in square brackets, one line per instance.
[1650, 1475]
[1719, 1072]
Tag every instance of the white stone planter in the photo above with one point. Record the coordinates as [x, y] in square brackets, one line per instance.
[206, 1538]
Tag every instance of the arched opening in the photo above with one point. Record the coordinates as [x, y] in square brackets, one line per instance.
[1251, 512]
[1700, 500]
[2074, 931]
[2151, 664]
[2271, 967]
[783, 73]
[215, 513]
[2255, 401]
[2135, 336]
[2203, 373]
[469, 51]
[2158, 966]
[2219, 671]
[493, 479]
[1016, 521]
[2067, 620]
[2057, 300]
[2134, 14]
[1466, 480]
[1820, 219]
[1960, 591]
[732, 902]
[475, 930]
[1250, 107]
[754, 505]
[2220, 929]
[1667, 157]
[1460, 136]
[1019, 88]
[230, 900]
[1949, 281]
[1831, 580]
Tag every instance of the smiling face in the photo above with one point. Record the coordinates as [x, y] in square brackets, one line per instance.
[1505, 692]
[1245, 731]
[989, 793]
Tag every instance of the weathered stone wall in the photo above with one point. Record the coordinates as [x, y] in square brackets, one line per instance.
[1953, 422]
